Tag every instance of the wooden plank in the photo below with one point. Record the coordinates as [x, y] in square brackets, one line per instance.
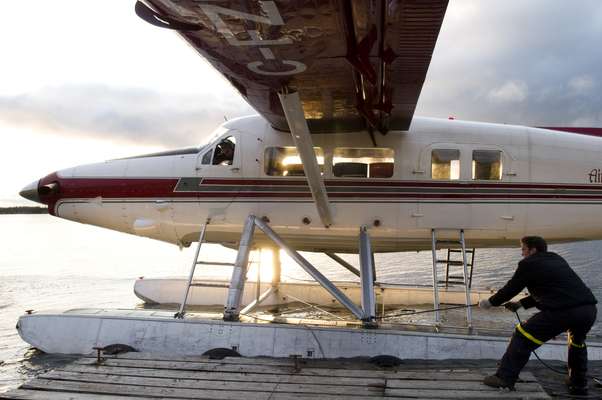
[173, 393]
[22, 394]
[463, 394]
[352, 363]
[476, 375]
[228, 360]
[313, 363]
[227, 376]
[455, 385]
[217, 384]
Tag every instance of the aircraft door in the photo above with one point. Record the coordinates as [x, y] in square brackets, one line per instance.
[243, 171]
[218, 174]
[223, 171]
[222, 159]
[445, 171]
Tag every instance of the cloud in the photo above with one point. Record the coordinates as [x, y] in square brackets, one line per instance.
[122, 114]
[582, 85]
[524, 62]
[510, 92]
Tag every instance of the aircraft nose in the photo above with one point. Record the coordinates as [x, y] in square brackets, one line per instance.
[30, 192]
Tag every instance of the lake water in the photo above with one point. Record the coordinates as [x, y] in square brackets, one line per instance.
[49, 263]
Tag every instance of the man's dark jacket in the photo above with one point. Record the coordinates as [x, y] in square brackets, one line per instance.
[552, 284]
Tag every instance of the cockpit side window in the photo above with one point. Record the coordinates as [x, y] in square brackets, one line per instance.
[224, 151]
[445, 164]
[206, 160]
[487, 165]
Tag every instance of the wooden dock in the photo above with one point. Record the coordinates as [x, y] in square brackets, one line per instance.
[143, 376]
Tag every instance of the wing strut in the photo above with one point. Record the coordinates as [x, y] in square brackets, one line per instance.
[293, 111]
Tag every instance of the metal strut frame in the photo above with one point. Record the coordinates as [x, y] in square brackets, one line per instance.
[293, 111]
[435, 280]
[367, 276]
[239, 273]
[232, 309]
[344, 263]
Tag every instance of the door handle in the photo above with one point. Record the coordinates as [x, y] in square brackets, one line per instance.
[235, 169]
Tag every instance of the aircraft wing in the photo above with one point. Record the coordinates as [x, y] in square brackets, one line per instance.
[356, 64]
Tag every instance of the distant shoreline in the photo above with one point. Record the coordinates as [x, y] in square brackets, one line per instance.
[23, 210]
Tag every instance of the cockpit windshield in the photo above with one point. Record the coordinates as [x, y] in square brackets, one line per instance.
[189, 150]
[209, 139]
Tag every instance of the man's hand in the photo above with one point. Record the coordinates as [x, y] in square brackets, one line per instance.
[485, 304]
[513, 306]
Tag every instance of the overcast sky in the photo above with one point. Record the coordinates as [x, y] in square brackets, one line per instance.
[82, 81]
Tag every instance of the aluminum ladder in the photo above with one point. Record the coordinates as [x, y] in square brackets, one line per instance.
[466, 278]
[449, 262]
[182, 311]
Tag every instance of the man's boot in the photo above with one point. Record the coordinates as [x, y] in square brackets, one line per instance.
[497, 382]
[575, 389]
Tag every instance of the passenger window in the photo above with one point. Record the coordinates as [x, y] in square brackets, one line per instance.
[206, 160]
[224, 151]
[486, 165]
[285, 161]
[445, 164]
[363, 162]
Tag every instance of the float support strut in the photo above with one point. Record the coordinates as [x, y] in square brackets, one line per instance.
[239, 273]
[367, 278]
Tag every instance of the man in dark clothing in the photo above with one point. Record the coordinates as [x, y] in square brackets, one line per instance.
[224, 152]
[566, 304]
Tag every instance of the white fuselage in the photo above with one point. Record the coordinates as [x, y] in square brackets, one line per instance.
[549, 186]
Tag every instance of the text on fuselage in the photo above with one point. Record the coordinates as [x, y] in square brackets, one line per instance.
[595, 175]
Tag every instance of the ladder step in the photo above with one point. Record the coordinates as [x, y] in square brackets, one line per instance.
[448, 242]
[452, 282]
[450, 262]
[468, 251]
[225, 264]
[216, 285]
[456, 277]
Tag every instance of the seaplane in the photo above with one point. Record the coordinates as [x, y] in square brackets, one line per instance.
[335, 161]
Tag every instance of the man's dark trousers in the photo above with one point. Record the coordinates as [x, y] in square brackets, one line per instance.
[540, 328]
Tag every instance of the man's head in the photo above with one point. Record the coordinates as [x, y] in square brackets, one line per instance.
[533, 244]
[224, 153]
[228, 149]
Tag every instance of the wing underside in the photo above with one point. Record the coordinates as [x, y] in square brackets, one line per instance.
[356, 64]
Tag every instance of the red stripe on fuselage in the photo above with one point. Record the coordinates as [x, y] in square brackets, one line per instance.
[120, 188]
